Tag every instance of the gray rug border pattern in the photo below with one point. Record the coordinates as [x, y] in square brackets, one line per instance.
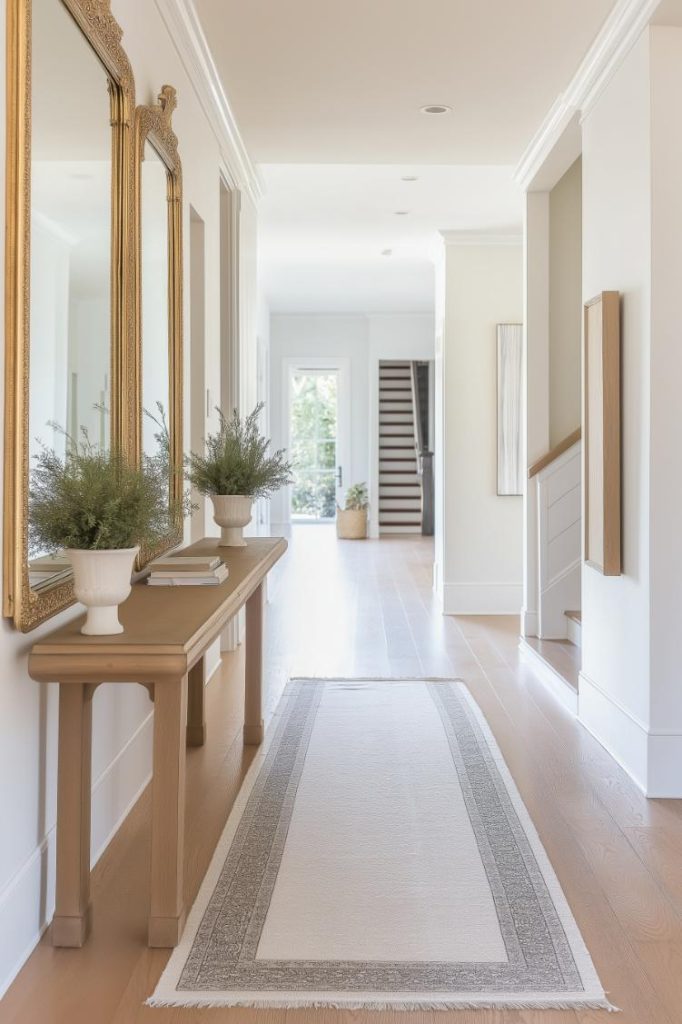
[223, 951]
[291, 741]
[451, 710]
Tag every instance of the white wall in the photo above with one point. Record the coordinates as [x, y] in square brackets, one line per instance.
[362, 340]
[630, 696]
[122, 726]
[565, 304]
[481, 568]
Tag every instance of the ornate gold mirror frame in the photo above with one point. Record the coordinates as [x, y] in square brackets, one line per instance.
[28, 607]
[153, 126]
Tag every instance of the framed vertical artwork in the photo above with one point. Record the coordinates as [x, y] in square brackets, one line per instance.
[601, 385]
[509, 370]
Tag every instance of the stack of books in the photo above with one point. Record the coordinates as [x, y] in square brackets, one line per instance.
[187, 571]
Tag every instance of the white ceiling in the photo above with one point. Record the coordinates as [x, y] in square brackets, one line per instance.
[323, 229]
[326, 95]
[342, 81]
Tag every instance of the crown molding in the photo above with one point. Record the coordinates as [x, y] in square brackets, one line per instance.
[482, 237]
[612, 44]
[187, 35]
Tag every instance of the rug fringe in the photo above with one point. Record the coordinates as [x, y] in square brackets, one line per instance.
[196, 1001]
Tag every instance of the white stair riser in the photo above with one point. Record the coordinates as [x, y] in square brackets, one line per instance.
[408, 467]
[403, 431]
[396, 479]
[383, 529]
[574, 632]
[405, 490]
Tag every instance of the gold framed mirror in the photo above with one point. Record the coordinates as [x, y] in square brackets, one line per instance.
[158, 297]
[69, 319]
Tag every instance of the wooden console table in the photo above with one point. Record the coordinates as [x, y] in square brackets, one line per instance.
[166, 632]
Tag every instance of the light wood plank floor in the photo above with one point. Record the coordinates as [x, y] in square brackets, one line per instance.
[367, 608]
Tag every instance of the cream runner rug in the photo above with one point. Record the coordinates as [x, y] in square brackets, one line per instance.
[379, 856]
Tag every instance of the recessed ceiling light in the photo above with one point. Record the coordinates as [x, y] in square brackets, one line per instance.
[410, 177]
[435, 108]
[401, 213]
[387, 252]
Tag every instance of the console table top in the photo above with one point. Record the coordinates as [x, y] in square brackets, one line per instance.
[174, 620]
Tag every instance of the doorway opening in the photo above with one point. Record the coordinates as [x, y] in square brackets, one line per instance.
[317, 422]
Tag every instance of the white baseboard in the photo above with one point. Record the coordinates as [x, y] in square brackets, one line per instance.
[550, 678]
[120, 786]
[27, 900]
[482, 598]
[26, 908]
[529, 622]
[665, 759]
[618, 731]
[651, 759]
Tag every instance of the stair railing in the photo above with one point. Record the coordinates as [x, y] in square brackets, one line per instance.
[423, 453]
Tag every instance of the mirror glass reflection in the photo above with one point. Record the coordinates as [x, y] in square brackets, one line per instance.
[70, 245]
[154, 285]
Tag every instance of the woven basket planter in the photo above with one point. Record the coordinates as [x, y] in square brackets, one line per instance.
[351, 524]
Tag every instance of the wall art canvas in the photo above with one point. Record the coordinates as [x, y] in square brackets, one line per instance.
[602, 501]
[509, 379]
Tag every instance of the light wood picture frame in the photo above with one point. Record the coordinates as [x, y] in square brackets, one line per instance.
[601, 431]
[509, 392]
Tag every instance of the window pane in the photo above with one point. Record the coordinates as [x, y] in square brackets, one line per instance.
[303, 454]
[304, 407]
[326, 410]
[326, 495]
[326, 454]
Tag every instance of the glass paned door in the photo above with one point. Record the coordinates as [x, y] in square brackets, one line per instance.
[314, 444]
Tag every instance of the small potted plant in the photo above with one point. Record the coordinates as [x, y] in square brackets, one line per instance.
[98, 509]
[235, 470]
[351, 521]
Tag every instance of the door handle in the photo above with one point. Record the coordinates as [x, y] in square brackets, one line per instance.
[339, 476]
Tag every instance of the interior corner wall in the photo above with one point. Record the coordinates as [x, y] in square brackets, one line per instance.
[122, 715]
[482, 532]
[614, 682]
[565, 304]
[665, 544]
[630, 695]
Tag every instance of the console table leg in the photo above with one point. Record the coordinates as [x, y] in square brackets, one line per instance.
[167, 917]
[72, 915]
[253, 697]
[196, 715]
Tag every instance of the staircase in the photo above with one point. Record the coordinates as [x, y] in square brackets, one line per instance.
[400, 502]
[554, 486]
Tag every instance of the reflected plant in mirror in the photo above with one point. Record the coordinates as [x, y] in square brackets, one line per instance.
[92, 507]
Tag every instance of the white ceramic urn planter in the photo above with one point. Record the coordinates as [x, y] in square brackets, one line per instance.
[101, 581]
[232, 512]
